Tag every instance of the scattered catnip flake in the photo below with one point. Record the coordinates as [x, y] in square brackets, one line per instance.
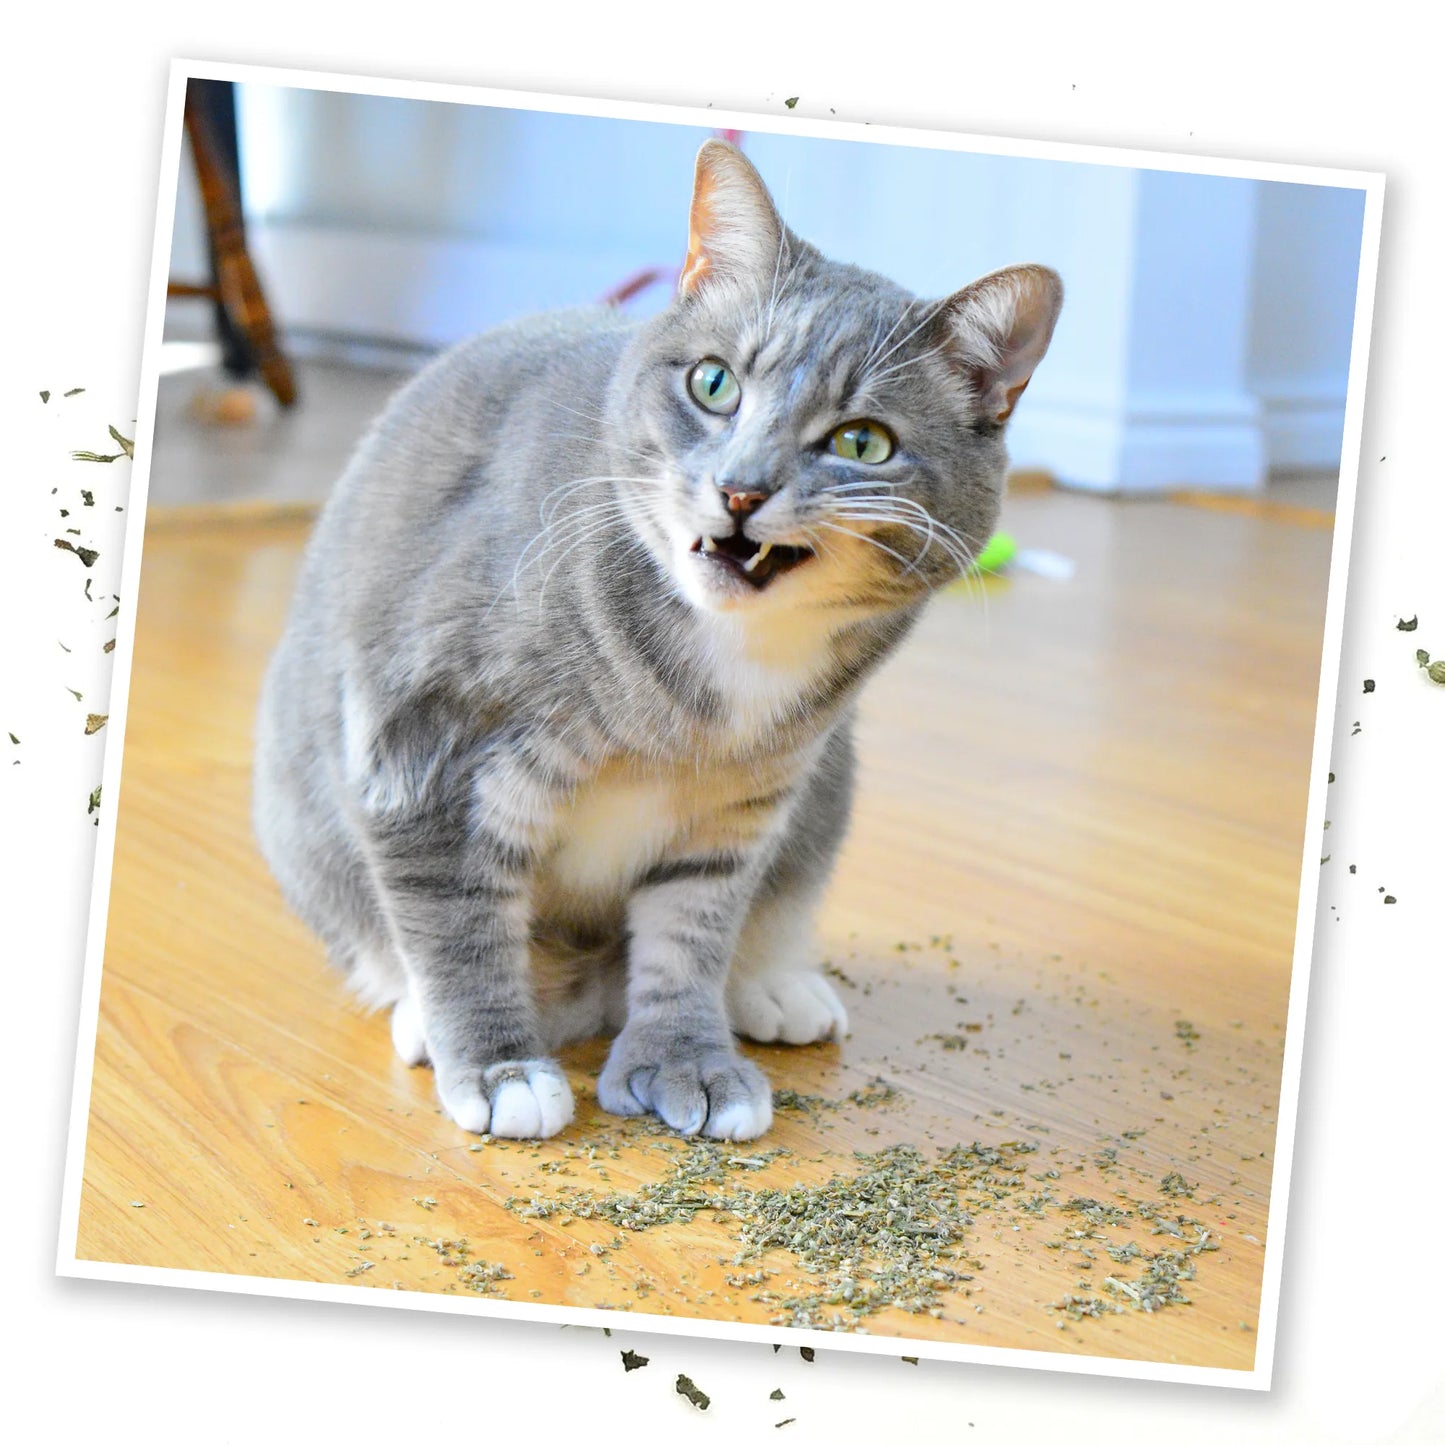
[791, 101]
[477, 1276]
[1159, 1285]
[94, 801]
[1390, 898]
[909, 1359]
[95, 721]
[1403, 626]
[955, 1042]
[125, 443]
[879, 1091]
[1176, 1186]
[1422, 657]
[109, 645]
[1332, 777]
[792, 1099]
[77, 696]
[86, 554]
[44, 397]
[96, 456]
[1084, 1307]
[788, 1421]
[87, 497]
[777, 1395]
[631, 1360]
[75, 391]
[112, 612]
[88, 597]
[806, 1351]
[686, 1387]
[14, 740]
[1186, 1031]
[1369, 684]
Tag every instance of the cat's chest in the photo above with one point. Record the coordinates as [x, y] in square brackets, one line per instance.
[614, 827]
[619, 823]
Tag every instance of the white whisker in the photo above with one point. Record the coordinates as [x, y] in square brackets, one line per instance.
[898, 367]
[565, 489]
[872, 542]
[585, 415]
[878, 346]
[931, 312]
[577, 523]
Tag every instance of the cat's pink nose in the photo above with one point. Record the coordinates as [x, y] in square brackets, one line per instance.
[741, 500]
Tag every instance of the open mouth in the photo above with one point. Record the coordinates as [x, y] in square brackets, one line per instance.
[757, 563]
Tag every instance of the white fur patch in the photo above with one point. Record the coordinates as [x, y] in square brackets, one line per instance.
[762, 664]
[407, 1035]
[525, 1099]
[376, 977]
[775, 993]
[615, 827]
[785, 1007]
[744, 1119]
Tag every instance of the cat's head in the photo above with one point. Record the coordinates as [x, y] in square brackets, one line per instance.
[807, 434]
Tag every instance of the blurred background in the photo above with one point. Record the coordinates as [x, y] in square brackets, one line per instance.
[1204, 344]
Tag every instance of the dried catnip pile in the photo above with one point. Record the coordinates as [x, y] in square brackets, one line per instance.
[800, 1234]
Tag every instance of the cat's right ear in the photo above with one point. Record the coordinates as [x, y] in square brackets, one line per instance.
[734, 230]
[999, 328]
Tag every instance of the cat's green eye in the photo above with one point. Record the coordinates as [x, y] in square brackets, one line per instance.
[862, 441]
[714, 387]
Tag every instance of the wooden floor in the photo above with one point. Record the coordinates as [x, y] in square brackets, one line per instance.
[1064, 919]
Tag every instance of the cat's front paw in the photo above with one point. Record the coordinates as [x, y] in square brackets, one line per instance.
[790, 1006]
[693, 1088]
[517, 1099]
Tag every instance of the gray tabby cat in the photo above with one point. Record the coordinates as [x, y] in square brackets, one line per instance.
[557, 739]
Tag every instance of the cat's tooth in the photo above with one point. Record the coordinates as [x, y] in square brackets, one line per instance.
[708, 545]
[757, 556]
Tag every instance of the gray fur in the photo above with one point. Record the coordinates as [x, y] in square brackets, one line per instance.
[500, 643]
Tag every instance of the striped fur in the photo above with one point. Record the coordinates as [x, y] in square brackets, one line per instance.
[531, 764]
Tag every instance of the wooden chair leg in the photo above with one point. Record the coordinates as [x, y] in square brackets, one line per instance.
[237, 287]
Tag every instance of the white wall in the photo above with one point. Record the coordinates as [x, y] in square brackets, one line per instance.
[1205, 336]
[1307, 248]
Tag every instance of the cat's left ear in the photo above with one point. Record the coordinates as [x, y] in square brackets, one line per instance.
[733, 229]
[999, 328]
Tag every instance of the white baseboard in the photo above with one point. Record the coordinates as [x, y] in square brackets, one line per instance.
[1214, 445]
[1304, 425]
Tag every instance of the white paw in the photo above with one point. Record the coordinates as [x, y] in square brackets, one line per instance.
[521, 1099]
[790, 1006]
[407, 1036]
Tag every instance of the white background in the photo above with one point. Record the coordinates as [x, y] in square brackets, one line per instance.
[1361, 1354]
